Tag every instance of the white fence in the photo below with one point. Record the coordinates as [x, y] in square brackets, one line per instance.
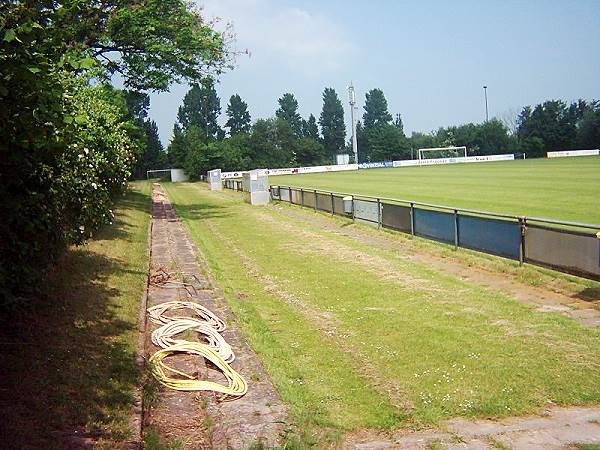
[295, 170]
[373, 165]
[566, 153]
[457, 160]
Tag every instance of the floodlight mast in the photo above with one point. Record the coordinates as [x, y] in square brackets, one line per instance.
[352, 99]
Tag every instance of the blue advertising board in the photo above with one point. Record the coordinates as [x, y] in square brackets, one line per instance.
[376, 165]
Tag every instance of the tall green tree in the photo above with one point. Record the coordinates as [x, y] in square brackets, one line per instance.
[588, 132]
[362, 144]
[176, 151]
[201, 108]
[288, 111]
[160, 42]
[238, 117]
[553, 123]
[263, 149]
[398, 123]
[138, 104]
[153, 155]
[332, 123]
[311, 152]
[272, 144]
[387, 143]
[310, 128]
[376, 109]
[374, 128]
[487, 138]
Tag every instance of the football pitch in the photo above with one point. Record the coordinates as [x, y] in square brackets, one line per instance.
[562, 188]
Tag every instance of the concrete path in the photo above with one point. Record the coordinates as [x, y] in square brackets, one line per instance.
[201, 420]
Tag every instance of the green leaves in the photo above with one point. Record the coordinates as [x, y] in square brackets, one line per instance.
[87, 63]
[83, 63]
[10, 35]
[70, 146]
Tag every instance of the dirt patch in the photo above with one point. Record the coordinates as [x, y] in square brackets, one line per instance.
[581, 306]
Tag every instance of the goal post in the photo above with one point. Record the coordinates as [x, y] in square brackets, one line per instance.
[444, 152]
[160, 173]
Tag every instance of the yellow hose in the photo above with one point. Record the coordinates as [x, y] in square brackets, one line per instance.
[236, 384]
[163, 336]
[157, 313]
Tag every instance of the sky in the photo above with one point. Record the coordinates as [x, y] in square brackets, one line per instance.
[430, 58]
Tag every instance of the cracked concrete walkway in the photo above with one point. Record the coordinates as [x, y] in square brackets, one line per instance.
[201, 421]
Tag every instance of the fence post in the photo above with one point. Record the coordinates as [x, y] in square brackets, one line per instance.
[412, 219]
[332, 205]
[378, 214]
[455, 229]
[522, 221]
[302, 197]
[315, 200]
[353, 211]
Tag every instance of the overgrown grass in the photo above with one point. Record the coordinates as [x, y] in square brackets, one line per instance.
[528, 274]
[560, 188]
[355, 337]
[68, 361]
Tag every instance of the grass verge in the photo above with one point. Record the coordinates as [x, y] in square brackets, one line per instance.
[68, 359]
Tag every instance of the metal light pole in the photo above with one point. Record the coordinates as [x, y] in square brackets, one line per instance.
[486, 103]
[352, 99]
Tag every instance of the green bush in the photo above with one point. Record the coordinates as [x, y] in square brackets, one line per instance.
[58, 186]
[68, 142]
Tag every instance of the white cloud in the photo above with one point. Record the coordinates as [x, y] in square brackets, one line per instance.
[288, 36]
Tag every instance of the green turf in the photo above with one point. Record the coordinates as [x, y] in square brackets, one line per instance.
[560, 188]
[357, 337]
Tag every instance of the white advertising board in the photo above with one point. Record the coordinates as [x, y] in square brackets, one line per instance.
[295, 170]
[461, 159]
[566, 153]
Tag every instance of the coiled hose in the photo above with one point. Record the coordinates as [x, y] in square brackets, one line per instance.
[157, 313]
[236, 384]
[163, 336]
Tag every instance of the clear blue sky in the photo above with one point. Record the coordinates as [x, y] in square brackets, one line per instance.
[431, 58]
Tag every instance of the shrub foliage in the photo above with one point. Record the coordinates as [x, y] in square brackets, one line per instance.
[69, 141]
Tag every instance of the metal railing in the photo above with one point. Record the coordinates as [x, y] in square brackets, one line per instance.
[236, 185]
[569, 247]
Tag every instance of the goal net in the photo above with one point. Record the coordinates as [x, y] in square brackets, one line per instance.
[442, 152]
[163, 174]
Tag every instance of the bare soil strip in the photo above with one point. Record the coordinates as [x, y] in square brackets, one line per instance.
[582, 306]
[201, 420]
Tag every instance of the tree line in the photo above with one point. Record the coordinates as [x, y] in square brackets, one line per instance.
[69, 140]
[287, 139]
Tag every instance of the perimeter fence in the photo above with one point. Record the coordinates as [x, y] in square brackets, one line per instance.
[236, 185]
[568, 247]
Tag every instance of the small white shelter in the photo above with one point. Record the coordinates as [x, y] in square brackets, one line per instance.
[214, 180]
[255, 185]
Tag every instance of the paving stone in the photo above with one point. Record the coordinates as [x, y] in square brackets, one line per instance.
[238, 423]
